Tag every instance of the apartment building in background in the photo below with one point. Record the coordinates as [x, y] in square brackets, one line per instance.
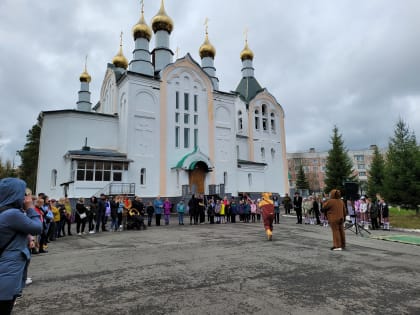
[313, 163]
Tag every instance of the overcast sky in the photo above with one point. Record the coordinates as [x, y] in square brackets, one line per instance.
[354, 64]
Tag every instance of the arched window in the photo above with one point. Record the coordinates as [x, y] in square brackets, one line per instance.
[143, 176]
[264, 110]
[53, 178]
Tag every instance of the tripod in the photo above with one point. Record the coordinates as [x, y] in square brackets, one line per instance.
[355, 227]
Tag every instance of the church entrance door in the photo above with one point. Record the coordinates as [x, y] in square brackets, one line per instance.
[197, 177]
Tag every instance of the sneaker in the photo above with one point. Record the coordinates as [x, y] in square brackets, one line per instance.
[79, 233]
[28, 281]
[337, 248]
[92, 232]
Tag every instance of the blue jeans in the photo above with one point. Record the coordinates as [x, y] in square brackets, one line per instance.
[167, 218]
[181, 217]
[114, 223]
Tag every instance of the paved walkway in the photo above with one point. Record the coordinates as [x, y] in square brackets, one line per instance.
[224, 269]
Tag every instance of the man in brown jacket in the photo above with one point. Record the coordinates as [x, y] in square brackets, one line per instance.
[336, 214]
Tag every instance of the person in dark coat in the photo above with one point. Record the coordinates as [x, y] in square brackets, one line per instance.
[315, 207]
[297, 206]
[18, 219]
[192, 205]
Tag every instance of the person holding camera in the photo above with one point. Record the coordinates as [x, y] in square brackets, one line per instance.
[18, 219]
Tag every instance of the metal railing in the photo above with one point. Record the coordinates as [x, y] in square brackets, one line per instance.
[113, 189]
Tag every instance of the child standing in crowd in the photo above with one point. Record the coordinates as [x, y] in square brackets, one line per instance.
[167, 210]
[385, 214]
[276, 210]
[120, 211]
[253, 211]
[150, 210]
[180, 208]
[114, 214]
[211, 210]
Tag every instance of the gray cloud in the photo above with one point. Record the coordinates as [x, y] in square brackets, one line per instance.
[353, 64]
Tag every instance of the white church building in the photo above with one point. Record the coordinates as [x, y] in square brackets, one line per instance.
[163, 127]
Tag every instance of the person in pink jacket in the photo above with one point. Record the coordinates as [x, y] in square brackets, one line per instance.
[167, 210]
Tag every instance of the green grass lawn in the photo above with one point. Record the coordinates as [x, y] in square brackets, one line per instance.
[404, 218]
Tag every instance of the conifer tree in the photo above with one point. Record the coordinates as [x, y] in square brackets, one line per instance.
[301, 180]
[339, 167]
[29, 157]
[402, 168]
[376, 173]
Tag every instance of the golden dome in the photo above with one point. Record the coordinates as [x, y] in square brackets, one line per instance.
[161, 21]
[85, 77]
[207, 49]
[246, 53]
[141, 29]
[119, 60]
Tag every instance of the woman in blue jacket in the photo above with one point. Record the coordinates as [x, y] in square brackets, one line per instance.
[17, 219]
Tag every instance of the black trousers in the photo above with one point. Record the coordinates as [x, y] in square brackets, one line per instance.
[157, 217]
[299, 215]
[6, 307]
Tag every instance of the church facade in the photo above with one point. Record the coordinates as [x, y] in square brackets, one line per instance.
[163, 127]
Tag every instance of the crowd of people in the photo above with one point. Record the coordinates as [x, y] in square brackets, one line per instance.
[29, 223]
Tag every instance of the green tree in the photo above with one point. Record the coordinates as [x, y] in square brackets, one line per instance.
[376, 173]
[7, 169]
[301, 180]
[29, 157]
[402, 168]
[339, 167]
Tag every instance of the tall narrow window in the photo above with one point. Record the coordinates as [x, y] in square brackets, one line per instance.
[99, 171]
[264, 124]
[249, 179]
[273, 153]
[257, 119]
[186, 119]
[177, 100]
[177, 117]
[237, 151]
[272, 122]
[195, 119]
[186, 101]
[225, 178]
[262, 153]
[195, 138]
[240, 120]
[176, 137]
[90, 166]
[143, 176]
[195, 103]
[53, 178]
[186, 137]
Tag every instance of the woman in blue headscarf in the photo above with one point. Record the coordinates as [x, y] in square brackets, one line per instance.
[17, 219]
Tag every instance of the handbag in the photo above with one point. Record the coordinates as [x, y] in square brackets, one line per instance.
[82, 215]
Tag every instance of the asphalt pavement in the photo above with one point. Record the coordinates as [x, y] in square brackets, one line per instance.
[223, 269]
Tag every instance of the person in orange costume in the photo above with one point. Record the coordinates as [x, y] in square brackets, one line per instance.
[267, 209]
[336, 214]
